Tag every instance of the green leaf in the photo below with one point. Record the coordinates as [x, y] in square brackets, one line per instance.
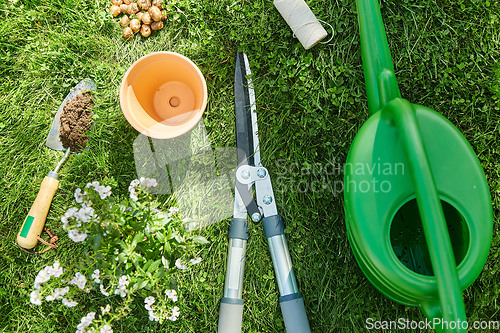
[168, 249]
[121, 257]
[137, 238]
[96, 242]
[135, 257]
[200, 239]
[141, 283]
[160, 273]
[147, 265]
[154, 266]
[160, 236]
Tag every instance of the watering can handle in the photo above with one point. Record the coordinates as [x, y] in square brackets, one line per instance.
[451, 307]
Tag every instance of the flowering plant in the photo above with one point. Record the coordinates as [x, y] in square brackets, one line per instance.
[132, 250]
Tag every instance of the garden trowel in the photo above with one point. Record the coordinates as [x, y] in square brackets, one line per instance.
[31, 229]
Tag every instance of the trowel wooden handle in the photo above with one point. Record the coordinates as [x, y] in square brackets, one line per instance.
[35, 221]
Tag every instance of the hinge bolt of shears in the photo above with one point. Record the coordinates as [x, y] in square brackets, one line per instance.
[245, 174]
[267, 199]
[256, 217]
[261, 173]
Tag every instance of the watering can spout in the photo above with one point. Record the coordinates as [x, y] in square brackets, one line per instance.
[377, 62]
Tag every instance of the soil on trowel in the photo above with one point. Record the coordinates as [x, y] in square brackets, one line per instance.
[76, 120]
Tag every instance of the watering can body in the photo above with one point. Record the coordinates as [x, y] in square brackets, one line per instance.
[383, 220]
[418, 210]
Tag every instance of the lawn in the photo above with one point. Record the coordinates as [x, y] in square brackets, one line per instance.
[310, 105]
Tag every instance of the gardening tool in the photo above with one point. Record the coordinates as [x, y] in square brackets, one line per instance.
[418, 208]
[250, 171]
[32, 227]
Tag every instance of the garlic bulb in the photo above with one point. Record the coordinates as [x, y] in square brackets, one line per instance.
[124, 21]
[145, 30]
[135, 25]
[157, 25]
[155, 13]
[139, 15]
[128, 34]
[144, 4]
[114, 10]
[146, 18]
[158, 3]
[132, 8]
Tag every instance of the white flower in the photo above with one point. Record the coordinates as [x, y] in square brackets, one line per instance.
[79, 195]
[95, 276]
[135, 183]
[42, 276]
[106, 309]
[69, 303]
[55, 270]
[175, 314]
[35, 297]
[121, 291]
[76, 235]
[79, 280]
[123, 281]
[172, 294]
[84, 214]
[179, 265]
[94, 184]
[148, 182]
[69, 214]
[133, 196]
[58, 293]
[152, 316]
[173, 210]
[104, 191]
[103, 291]
[64, 221]
[149, 301]
[195, 261]
[86, 321]
[106, 329]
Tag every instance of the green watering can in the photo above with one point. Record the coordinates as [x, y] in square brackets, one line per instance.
[418, 208]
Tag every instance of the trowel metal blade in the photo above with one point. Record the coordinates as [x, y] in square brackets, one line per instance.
[53, 140]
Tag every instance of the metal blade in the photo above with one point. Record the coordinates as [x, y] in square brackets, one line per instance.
[244, 137]
[53, 140]
[253, 113]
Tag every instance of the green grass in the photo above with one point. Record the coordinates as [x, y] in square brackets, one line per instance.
[311, 104]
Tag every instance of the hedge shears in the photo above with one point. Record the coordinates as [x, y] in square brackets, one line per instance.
[250, 172]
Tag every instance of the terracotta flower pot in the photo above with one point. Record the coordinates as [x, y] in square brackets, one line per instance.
[163, 95]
